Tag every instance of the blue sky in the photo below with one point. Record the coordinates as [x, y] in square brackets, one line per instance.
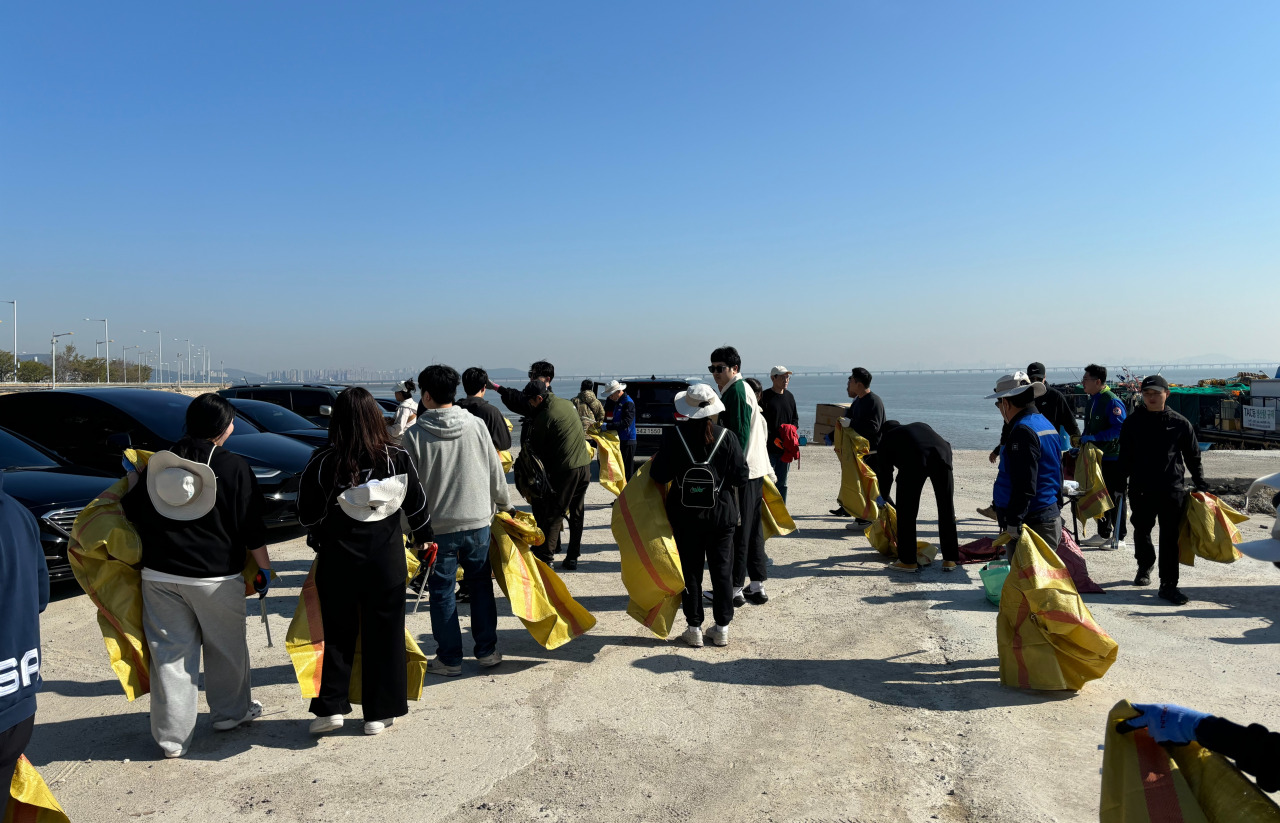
[621, 187]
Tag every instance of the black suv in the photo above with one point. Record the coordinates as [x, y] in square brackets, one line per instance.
[313, 401]
[655, 409]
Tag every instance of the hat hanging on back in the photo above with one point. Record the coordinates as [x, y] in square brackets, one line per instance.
[403, 386]
[614, 386]
[375, 500]
[1268, 548]
[698, 402]
[179, 488]
[1016, 383]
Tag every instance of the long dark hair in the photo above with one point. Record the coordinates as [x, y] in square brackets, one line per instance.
[704, 428]
[357, 433]
[208, 417]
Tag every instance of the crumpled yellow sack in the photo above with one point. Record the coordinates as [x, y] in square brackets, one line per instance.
[304, 641]
[536, 593]
[1145, 782]
[1094, 500]
[505, 454]
[1208, 530]
[608, 448]
[1046, 636]
[650, 564]
[106, 557]
[858, 485]
[883, 534]
[32, 802]
[775, 520]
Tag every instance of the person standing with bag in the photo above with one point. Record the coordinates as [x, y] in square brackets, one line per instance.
[621, 411]
[781, 418]
[198, 513]
[349, 501]
[706, 468]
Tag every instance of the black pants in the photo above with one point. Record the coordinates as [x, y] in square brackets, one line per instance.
[570, 494]
[702, 547]
[1114, 477]
[748, 539]
[910, 486]
[13, 742]
[629, 458]
[1047, 523]
[1146, 508]
[353, 606]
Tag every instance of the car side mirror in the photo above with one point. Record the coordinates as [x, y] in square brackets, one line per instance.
[119, 441]
[325, 411]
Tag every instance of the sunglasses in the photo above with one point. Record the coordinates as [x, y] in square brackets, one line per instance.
[717, 369]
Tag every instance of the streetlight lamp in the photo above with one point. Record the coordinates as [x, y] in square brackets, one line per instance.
[53, 379]
[160, 377]
[106, 333]
[15, 338]
[126, 363]
[98, 343]
[186, 340]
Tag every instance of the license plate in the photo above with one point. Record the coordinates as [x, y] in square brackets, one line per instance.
[648, 430]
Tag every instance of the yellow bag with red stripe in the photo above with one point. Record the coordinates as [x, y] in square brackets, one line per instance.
[1208, 530]
[858, 485]
[883, 534]
[1145, 782]
[304, 641]
[105, 553]
[775, 520]
[1094, 500]
[30, 800]
[1046, 636]
[536, 593]
[609, 449]
[650, 564]
[505, 454]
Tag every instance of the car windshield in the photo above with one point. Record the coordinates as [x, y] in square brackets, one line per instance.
[15, 453]
[275, 418]
[164, 413]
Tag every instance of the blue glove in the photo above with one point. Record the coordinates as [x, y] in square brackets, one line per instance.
[1086, 438]
[262, 581]
[879, 501]
[1168, 723]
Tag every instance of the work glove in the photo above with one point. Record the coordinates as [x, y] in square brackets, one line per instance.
[1085, 438]
[1166, 722]
[492, 385]
[1074, 452]
[427, 554]
[262, 581]
[1201, 485]
[879, 501]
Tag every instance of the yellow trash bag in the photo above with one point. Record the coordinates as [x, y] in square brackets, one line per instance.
[613, 476]
[1145, 782]
[505, 454]
[775, 520]
[650, 565]
[858, 485]
[536, 593]
[106, 558]
[1046, 636]
[883, 534]
[304, 641]
[31, 800]
[1094, 500]
[1208, 530]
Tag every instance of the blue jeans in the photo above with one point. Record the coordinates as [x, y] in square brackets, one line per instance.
[780, 469]
[471, 550]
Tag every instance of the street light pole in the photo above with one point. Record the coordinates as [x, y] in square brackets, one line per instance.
[15, 339]
[106, 338]
[188, 342]
[53, 379]
[126, 363]
[160, 360]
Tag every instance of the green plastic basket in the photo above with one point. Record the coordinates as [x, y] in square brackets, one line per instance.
[993, 575]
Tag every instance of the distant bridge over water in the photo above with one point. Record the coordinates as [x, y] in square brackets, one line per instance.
[1144, 368]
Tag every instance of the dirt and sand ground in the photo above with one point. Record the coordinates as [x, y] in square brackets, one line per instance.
[850, 696]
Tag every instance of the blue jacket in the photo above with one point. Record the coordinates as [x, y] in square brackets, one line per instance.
[622, 419]
[1103, 418]
[24, 593]
[1030, 477]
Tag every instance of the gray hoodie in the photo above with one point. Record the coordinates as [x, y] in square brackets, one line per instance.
[460, 470]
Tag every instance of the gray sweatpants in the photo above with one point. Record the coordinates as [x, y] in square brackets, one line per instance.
[179, 619]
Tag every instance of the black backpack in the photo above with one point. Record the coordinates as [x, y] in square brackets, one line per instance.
[700, 484]
[531, 476]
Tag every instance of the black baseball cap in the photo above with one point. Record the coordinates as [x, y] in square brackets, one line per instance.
[1035, 370]
[1154, 381]
[535, 388]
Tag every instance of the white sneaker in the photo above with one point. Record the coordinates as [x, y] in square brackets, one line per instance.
[255, 711]
[434, 666]
[1095, 542]
[1107, 547]
[719, 635]
[377, 726]
[324, 725]
[693, 636]
[489, 661]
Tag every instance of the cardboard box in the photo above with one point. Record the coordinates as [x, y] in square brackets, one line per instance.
[825, 420]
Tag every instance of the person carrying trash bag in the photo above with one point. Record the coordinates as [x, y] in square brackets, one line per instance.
[1104, 417]
[1157, 447]
[706, 468]
[621, 410]
[350, 497]
[197, 510]
[919, 454]
[1028, 487]
[864, 417]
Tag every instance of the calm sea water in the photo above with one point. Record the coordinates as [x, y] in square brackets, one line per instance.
[955, 405]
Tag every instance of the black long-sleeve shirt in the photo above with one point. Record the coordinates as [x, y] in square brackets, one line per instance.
[778, 410]
[1255, 749]
[1058, 411]
[1156, 449]
[492, 419]
[866, 417]
[912, 448]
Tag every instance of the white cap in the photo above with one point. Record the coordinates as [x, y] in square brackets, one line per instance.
[777, 370]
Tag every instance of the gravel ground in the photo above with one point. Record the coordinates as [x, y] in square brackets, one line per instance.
[850, 696]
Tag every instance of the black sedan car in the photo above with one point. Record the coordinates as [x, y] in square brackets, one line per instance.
[278, 420]
[91, 427]
[52, 489]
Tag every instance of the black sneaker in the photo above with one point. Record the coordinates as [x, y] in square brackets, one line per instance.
[569, 564]
[739, 601]
[1143, 578]
[1174, 596]
[862, 524]
[839, 511]
[758, 598]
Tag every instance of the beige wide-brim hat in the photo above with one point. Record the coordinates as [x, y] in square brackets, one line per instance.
[181, 489]
[375, 500]
[1268, 548]
[614, 386]
[1017, 383]
[698, 402]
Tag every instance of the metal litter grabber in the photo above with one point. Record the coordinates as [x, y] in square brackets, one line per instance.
[1115, 534]
[431, 550]
[262, 607]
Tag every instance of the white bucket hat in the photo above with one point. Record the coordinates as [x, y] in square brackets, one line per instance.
[1017, 383]
[698, 402]
[375, 500]
[181, 489]
[614, 386]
